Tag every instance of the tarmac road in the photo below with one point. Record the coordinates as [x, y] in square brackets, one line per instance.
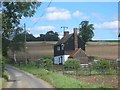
[21, 79]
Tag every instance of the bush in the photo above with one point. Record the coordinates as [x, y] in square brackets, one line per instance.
[72, 64]
[101, 66]
[48, 64]
[2, 63]
[44, 63]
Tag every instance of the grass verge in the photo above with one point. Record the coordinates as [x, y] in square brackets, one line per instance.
[57, 80]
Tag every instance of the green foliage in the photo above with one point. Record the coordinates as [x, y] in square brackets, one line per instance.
[12, 12]
[17, 42]
[101, 66]
[86, 31]
[5, 76]
[72, 64]
[3, 62]
[49, 36]
[30, 37]
[57, 80]
[45, 62]
[49, 64]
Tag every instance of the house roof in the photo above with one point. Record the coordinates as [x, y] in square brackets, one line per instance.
[64, 39]
[80, 55]
[80, 51]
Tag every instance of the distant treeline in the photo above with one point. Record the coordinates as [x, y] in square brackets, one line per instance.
[49, 36]
[104, 40]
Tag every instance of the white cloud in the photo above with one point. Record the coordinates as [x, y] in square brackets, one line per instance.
[77, 13]
[54, 13]
[97, 15]
[107, 25]
[43, 28]
[36, 35]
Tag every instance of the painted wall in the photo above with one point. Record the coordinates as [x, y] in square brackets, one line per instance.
[60, 59]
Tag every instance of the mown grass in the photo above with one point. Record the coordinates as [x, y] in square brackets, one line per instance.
[57, 80]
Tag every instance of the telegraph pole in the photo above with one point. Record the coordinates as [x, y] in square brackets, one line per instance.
[64, 28]
[25, 43]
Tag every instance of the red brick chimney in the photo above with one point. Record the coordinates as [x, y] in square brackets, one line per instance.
[75, 38]
[66, 33]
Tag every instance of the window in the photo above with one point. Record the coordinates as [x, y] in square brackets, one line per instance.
[58, 48]
[62, 46]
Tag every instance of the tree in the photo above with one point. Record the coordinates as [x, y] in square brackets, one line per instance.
[51, 36]
[86, 31]
[12, 12]
[30, 37]
[17, 43]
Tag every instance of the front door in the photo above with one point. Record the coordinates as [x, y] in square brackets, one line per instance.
[60, 60]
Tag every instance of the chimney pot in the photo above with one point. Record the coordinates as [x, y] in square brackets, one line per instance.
[66, 33]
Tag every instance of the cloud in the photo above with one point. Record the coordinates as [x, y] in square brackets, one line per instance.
[43, 28]
[97, 15]
[107, 25]
[77, 13]
[36, 35]
[57, 14]
[54, 13]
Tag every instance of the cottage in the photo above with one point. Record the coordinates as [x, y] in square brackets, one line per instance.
[70, 46]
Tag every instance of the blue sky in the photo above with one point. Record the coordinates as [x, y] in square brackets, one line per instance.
[104, 16]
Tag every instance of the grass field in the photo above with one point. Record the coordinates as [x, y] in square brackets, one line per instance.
[108, 50]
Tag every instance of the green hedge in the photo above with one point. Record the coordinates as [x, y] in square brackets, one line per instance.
[72, 64]
[101, 66]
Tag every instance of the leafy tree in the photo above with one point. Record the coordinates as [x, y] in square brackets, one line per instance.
[12, 12]
[30, 37]
[51, 36]
[86, 31]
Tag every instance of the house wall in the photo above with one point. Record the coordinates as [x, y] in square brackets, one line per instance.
[58, 60]
[56, 52]
[69, 45]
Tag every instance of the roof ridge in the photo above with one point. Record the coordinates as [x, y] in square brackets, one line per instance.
[64, 39]
[74, 53]
[84, 52]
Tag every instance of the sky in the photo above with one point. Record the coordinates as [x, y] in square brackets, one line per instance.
[104, 16]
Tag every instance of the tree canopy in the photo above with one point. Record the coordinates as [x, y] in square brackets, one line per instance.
[12, 12]
[86, 31]
[49, 36]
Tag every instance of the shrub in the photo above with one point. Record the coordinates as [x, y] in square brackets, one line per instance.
[48, 64]
[72, 64]
[2, 63]
[101, 66]
[44, 63]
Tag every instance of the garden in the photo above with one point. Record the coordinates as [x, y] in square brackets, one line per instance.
[96, 74]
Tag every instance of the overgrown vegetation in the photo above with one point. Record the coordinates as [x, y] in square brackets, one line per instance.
[57, 80]
[72, 64]
[104, 67]
[4, 73]
[58, 76]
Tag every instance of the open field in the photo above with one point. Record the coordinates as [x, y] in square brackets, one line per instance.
[108, 50]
